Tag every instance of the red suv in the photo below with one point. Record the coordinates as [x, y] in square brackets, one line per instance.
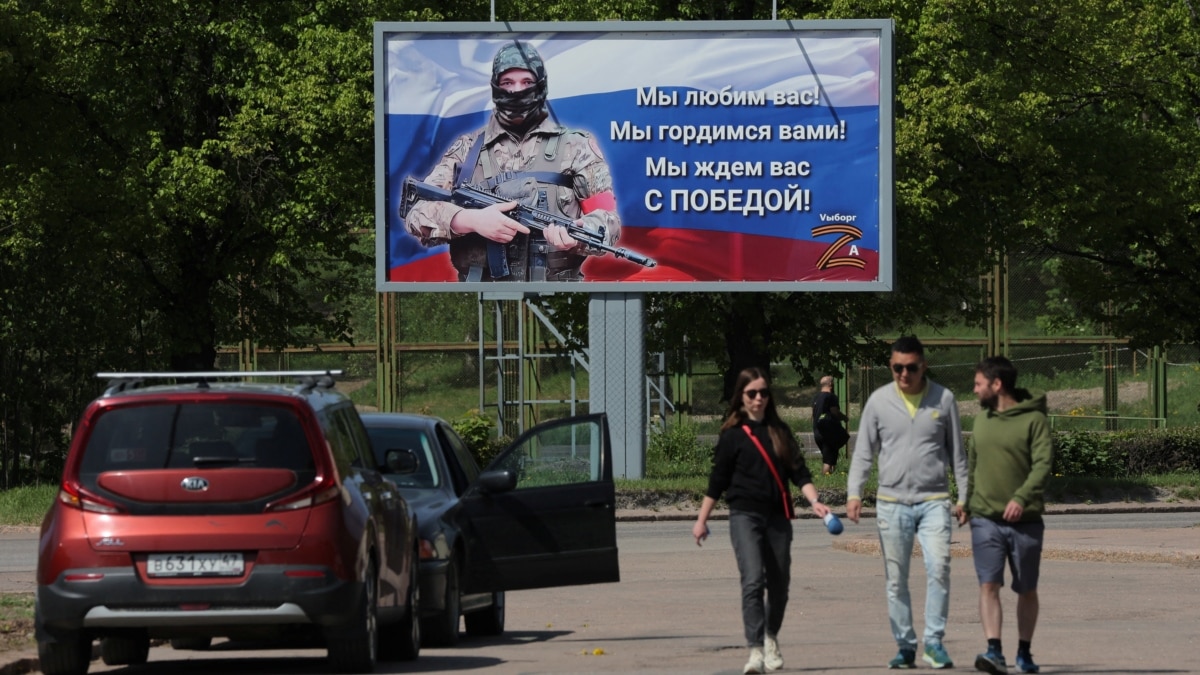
[215, 507]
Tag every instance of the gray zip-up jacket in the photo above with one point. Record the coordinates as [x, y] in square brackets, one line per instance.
[914, 451]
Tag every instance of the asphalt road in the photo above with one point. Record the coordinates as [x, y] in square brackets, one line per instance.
[676, 610]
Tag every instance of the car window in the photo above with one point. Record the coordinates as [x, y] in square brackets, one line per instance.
[124, 439]
[416, 440]
[464, 459]
[278, 442]
[557, 455]
[341, 443]
[195, 435]
[348, 439]
[362, 456]
[458, 476]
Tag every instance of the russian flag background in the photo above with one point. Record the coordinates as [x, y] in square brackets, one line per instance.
[630, 91]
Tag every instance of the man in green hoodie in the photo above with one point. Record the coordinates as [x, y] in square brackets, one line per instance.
[1009, 460]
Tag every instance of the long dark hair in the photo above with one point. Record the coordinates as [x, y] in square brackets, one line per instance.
[786, 447]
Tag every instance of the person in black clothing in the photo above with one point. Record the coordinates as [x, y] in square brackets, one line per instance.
[756, 455]
[828, 431]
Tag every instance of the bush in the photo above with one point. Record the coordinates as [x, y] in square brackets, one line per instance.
[676, 452]
[1138, 452]
[1159, 451]
[476, 431]
[1087, 453]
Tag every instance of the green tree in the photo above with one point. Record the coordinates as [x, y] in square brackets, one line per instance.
[1066, 128]
[175, 177]
[182, 175]
[218, 154]
[1122, 204]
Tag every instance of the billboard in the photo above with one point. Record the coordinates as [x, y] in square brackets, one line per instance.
[630, 157]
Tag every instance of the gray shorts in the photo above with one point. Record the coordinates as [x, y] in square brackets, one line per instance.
[1019, 544]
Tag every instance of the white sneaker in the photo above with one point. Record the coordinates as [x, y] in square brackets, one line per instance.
[755, 664]
[772, 658]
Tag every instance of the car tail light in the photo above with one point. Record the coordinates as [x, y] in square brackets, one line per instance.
[323, 489]
[74, 495]
[427, 551]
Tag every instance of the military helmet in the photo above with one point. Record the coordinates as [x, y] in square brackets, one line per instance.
[518, 55]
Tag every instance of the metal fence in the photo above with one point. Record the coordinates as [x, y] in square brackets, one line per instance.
[513, 372]
[510, 369]
[1089, 386]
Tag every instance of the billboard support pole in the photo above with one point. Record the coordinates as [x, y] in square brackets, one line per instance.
[617, 377]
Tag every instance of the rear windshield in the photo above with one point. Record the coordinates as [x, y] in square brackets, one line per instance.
[196, 435]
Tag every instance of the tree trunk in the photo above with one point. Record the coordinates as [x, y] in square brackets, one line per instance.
[747, 339]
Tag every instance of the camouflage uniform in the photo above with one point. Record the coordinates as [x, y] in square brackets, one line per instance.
[550, 167]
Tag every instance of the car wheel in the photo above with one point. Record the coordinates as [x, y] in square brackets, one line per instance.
[125, 650]
[405, 636]
[68, 655]
[353, 647]
[488, 621]
[193, 643]
[442, 630]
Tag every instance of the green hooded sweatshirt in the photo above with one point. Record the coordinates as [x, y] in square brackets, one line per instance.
[1009, 458]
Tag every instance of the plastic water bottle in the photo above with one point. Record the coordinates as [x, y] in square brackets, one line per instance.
[832, 523]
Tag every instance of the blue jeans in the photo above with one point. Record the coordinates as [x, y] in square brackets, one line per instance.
[763, 548]
[899, 524]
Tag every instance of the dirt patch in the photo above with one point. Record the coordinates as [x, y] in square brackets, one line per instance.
[348, 387]
[16, 626]
[656, 500]
[1081, 401]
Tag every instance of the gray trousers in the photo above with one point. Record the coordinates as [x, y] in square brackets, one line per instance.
[763, 548]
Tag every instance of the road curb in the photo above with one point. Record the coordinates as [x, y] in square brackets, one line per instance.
[638, 516]
[20, 667]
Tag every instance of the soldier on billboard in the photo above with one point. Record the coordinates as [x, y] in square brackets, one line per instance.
[524, 156]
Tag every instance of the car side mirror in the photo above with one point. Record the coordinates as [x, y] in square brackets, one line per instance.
[499, 480]
[402, 461]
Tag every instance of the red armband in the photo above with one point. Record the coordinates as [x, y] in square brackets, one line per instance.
[599, 201]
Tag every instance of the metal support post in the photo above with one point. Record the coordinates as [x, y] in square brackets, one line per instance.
[618, 374]
[386, 380]
[996, 295]
[247, 356]
[1158, 384]
[1111, 401]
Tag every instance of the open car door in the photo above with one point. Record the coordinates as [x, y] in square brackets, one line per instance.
[543, 513]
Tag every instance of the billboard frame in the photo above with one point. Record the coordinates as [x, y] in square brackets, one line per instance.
[884, 28]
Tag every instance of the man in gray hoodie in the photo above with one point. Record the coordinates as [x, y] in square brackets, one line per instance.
[911, 425]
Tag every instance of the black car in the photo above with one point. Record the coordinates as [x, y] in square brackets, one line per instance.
[542, 514]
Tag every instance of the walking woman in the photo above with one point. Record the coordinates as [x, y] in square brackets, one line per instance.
[755, 457]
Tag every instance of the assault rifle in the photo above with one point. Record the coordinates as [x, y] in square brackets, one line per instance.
[471, 197]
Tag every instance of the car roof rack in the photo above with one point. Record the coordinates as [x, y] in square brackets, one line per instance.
[308, 379]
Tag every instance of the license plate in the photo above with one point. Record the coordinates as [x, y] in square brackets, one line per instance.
[194, 565]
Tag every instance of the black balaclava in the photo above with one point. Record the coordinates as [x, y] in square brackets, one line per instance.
[521, 110]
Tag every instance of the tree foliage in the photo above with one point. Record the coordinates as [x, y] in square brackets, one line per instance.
[1070, 128]
[175, 176]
